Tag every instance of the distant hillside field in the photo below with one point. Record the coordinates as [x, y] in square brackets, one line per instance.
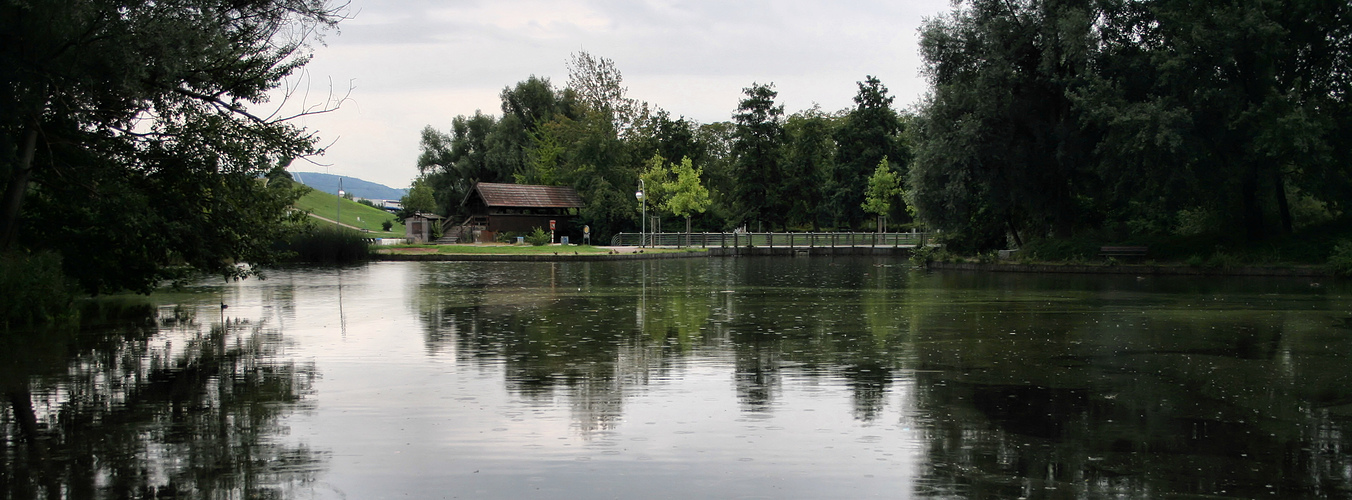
[328, 183]
[353, 214]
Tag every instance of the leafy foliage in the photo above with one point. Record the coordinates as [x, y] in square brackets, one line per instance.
[883, 188]
[34, 288]
[1340, 262]
[538, 237]
[1135, 118]
[686, 194]
[870, 133]
[142, 111]
[420, 198]
[593, 137]
[756, 151]
[327, 244]
[809, 155]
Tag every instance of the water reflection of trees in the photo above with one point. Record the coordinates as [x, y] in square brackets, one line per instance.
[144, 403]
[1042, 387]
[597, 334]
[587, 338]
[1124, 392]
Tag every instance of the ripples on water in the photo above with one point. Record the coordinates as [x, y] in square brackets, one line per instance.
[720, 378]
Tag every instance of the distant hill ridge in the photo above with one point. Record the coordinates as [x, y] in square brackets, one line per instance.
[328, 183]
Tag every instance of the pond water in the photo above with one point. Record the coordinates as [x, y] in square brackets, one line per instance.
[691, 378]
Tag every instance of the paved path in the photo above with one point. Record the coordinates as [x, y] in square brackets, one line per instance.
[331, 221]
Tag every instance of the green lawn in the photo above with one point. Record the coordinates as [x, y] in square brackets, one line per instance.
[353, 214]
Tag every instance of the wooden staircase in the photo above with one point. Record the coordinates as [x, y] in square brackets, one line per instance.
[464, 231]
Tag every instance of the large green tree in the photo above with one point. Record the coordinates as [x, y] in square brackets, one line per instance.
[999, 146]
[757, 141]
[809, 159]
[145, 112]
[1230, 108]
[870, 132]
[686, 194]
[1126, 118]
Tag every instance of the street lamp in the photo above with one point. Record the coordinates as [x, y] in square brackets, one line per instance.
[643, 233]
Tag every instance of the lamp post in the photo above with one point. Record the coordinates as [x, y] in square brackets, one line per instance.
[643, 232]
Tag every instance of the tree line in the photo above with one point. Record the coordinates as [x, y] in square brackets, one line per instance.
[1117, 119]
[761, 170]
[133, 129]
[1132, 119]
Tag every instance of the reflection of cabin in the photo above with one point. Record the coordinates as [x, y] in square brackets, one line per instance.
[495, 208]
[418, 227]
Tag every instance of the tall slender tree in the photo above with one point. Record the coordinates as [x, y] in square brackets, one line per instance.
[870, 132]
[757, 140]
[809, 159]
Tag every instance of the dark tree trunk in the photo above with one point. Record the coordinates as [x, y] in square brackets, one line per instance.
[18, 186]
[1252, 212]
[1009, 220]
[1283, 206]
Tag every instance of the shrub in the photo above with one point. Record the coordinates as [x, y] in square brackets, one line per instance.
[1340, 262]
[1223, 261]
[538, 237]
[328, 245]
[1079, 248]
[387, 225]
[34, 288]
[921, 255]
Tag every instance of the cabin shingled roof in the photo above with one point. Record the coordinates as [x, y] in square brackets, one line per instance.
[524, 195]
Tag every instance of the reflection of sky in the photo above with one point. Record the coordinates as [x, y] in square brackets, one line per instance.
[1040, 381]
[399, 420]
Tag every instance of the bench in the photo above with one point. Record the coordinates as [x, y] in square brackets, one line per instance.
[1124, 252]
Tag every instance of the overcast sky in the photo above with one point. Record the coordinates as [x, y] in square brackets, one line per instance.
[415, 63]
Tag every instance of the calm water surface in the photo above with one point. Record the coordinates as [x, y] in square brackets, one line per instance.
[700, 378]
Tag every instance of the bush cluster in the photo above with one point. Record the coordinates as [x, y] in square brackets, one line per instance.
[34, 288]
[538, 237]
[328, 245]
[1340, 262]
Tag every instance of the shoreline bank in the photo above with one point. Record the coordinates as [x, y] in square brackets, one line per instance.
[899, 252]
[1136, 269]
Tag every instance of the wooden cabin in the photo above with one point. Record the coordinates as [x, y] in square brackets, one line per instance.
[495, 208]
[418, 227]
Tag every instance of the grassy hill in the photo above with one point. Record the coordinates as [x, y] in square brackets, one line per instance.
[353, 214]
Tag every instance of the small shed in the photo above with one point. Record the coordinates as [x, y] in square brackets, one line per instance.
[496, 207]
[418, 227]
